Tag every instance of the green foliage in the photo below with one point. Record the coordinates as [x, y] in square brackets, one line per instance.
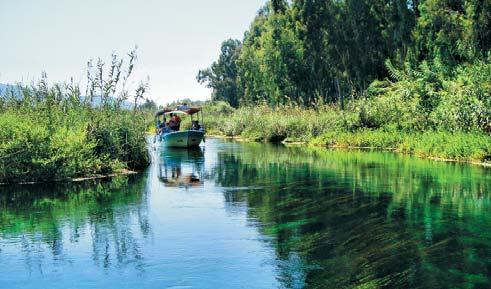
[466, 100]
[430, 98]
[392, 121]
[394, 65]
[313, 50]
[222, 75]
[72, 144]
[270, 65]
[430, 110]
[50, 133]
[290, 123]
[452, 31]
[458, 146]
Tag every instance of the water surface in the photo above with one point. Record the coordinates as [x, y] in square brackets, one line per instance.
[254, 216]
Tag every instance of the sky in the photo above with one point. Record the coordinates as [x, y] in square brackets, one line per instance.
[175, 39]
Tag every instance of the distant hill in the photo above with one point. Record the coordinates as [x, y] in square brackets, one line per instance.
[97, 100]
[2, 87]
[6, 87]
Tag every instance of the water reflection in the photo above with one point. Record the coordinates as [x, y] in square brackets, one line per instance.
[181, 168]
[362, 219]
[263, 215]
[54, 222]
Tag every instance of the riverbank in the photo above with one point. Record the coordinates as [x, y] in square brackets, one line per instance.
[407, 147]
[440, 146]
[328, 126]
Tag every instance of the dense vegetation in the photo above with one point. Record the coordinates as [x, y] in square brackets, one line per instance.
[56, 132]
[315, 68]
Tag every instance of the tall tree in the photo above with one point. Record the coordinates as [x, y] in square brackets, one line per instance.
[453, 31]
[271, 63]
[221, 77]
[279, 6]
[306, 50]
[347, 42]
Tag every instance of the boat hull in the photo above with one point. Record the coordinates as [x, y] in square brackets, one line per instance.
[182, 139]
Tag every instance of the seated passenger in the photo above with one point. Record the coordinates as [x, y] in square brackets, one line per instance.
[195, 125]
[160, 125]
[174, 122]
[161, 128]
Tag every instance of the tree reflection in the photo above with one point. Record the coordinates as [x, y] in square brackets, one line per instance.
[364, 220]
[110, 215]
[334, 219]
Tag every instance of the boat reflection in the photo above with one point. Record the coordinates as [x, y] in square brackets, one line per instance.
[182, 168]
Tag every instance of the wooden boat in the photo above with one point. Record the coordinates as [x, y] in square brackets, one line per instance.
[169, 136]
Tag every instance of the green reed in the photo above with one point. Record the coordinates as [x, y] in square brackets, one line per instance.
[56, 132]
[328, 125]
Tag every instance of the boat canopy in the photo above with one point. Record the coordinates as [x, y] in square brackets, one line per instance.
[178, 110]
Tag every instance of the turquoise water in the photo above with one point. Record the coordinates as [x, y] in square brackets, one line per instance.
[238, 215]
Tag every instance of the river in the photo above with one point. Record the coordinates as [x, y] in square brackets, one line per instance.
[249, 215]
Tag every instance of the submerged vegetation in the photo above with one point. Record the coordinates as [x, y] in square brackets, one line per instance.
[414, 76]
[56, 132]
[363, 219]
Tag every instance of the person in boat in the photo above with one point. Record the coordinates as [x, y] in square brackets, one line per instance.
[195, 125]
[160, 126]
[174, 122]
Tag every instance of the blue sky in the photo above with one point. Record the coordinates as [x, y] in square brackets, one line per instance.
[176, 38]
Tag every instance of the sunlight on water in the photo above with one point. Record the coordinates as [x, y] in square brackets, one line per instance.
[237, 215]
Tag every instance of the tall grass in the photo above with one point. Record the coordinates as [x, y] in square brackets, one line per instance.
[288, 123]
[352, 128]
[54, 132]
[468, 147]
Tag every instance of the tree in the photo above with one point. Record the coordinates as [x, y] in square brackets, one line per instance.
[149, 105]
[221, 77]
[279, 6]
[453, 31]
[308, 50]
[271, 63]
[347, 42]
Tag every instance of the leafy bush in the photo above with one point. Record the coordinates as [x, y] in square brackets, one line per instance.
[466, 100]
